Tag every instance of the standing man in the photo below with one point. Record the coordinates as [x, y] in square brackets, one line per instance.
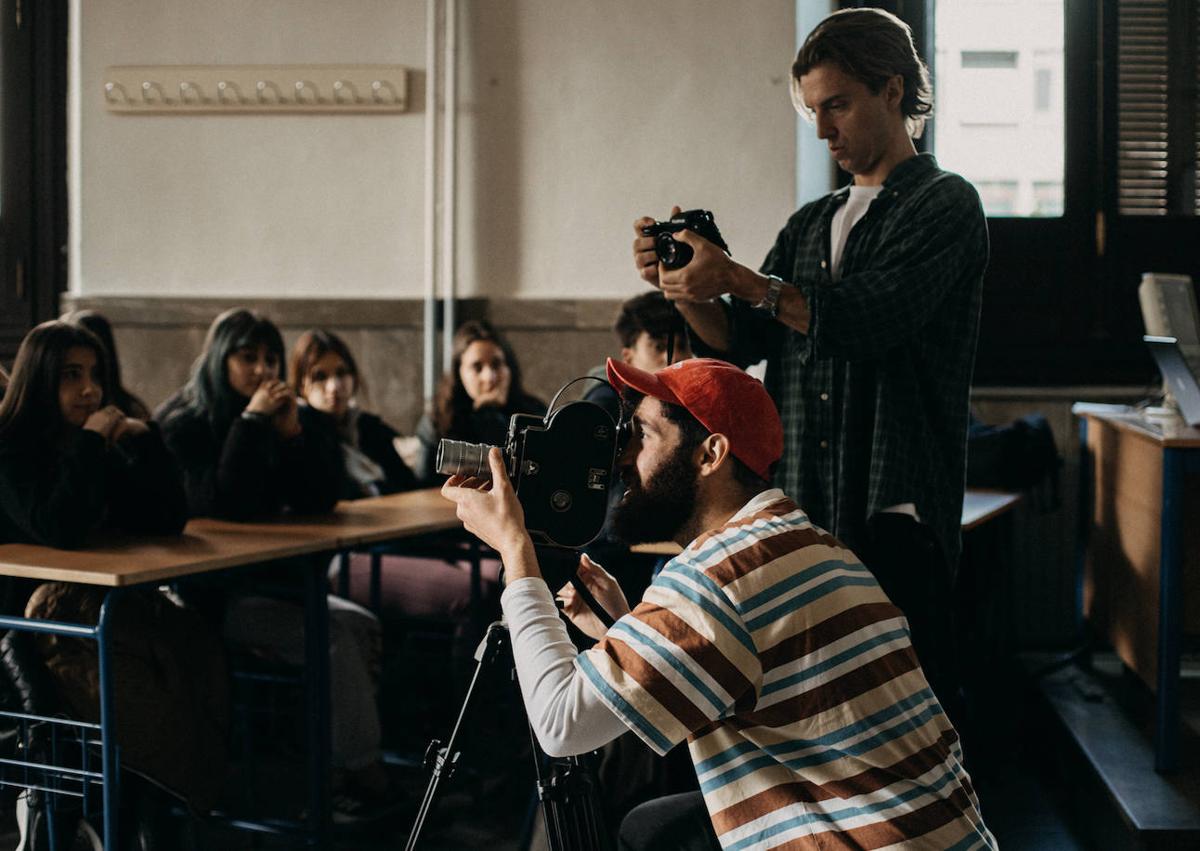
[867, 311]
[765, 644]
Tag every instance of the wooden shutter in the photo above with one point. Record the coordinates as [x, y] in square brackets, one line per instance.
[1158, 138]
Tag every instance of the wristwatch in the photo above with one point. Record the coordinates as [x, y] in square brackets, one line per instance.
[770, 299]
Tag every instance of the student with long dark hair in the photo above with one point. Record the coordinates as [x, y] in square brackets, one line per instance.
[236, 430]
[73, 465]
[100, 326]
[477, 395]
[325, 377]
[69, 460]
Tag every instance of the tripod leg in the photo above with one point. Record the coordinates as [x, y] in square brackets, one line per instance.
[441, 760]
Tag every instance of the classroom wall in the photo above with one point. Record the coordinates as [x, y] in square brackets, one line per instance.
[574, 118]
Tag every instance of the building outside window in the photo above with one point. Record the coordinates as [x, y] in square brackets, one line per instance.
[998, 107]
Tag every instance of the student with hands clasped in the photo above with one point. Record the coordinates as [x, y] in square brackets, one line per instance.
[236, 430]
[765, 644]
[73, 465]
[69, 461]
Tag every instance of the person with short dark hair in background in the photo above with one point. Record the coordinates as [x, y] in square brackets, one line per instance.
[325, 378]
[646, 326]
[476, 397]
[73, 465]
[235, 429]
[100, 326]
[866, 310]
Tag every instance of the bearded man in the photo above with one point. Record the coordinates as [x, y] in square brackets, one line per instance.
[766, 644]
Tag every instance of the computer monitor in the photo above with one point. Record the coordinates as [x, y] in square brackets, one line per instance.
[1169, 308]
[1177, 376]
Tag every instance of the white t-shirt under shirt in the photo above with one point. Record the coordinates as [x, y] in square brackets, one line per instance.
[844, 220]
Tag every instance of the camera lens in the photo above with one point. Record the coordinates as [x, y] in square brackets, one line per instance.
[459, 458]
[665, 247]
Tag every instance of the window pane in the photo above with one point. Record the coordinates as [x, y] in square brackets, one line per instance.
[998, 98]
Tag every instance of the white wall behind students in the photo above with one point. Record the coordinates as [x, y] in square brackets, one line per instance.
[574, 118]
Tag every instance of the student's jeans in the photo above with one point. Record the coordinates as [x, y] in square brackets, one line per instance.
[275, 628]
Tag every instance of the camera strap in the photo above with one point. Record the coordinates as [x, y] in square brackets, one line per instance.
[592, 602]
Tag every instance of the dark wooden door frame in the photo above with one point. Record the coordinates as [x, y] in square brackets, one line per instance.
[33, 165]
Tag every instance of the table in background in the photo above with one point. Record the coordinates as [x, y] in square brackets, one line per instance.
[1139, 576]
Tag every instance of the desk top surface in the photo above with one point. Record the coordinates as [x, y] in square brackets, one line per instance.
[207, 544]
[1168, 432]
[979, 506]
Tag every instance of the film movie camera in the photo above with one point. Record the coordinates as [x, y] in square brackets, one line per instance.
[561, 467]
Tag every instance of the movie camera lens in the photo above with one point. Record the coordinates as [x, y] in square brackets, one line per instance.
[459, 458]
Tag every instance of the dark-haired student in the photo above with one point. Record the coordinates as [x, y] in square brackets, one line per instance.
[235, 429]
[324, 377]
[99, 325]
[477, 396]
[71, 466]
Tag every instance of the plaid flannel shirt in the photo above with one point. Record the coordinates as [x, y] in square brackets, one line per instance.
[874, 398]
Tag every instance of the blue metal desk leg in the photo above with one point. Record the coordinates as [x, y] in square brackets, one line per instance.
[1166, 731]
[1083, 527]
[109, 754]
[316, 649]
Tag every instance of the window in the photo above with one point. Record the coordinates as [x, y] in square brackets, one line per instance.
[999, 197]
[1042, 78]
[988, 58]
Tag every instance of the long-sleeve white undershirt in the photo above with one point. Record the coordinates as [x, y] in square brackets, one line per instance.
[567, 715]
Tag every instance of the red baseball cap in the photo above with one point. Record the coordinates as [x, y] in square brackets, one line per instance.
[725, 399]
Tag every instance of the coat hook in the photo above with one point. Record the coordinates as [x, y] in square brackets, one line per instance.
[191, 93]
[262, 86]
[343, 86]
[301, 85]
[377, 86]
[226, 86]
[110, 88]
[149, 86]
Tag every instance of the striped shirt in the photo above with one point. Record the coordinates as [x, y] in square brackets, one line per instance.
[772, 650]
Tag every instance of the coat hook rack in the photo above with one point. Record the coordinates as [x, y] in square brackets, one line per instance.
[179, 89]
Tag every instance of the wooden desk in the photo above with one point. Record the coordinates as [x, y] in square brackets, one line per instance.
[207, 545]
[1138, 562]
[980, 505]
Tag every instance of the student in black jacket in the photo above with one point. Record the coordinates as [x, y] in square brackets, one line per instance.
[477, 396]
[70, 462]
[73, 466]
[102, 328]
[235, 429]
[325, 377]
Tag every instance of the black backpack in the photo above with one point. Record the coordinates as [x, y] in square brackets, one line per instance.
[1018, 456]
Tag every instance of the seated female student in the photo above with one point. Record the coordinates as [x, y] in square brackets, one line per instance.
[236, 432]
[72, 465]
[476, 398]
[95, 322]
[325, 378]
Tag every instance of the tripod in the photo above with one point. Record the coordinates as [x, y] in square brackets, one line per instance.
[566, 787]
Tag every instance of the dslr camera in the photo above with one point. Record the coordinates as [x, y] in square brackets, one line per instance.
[674, 254]
[561, 467]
